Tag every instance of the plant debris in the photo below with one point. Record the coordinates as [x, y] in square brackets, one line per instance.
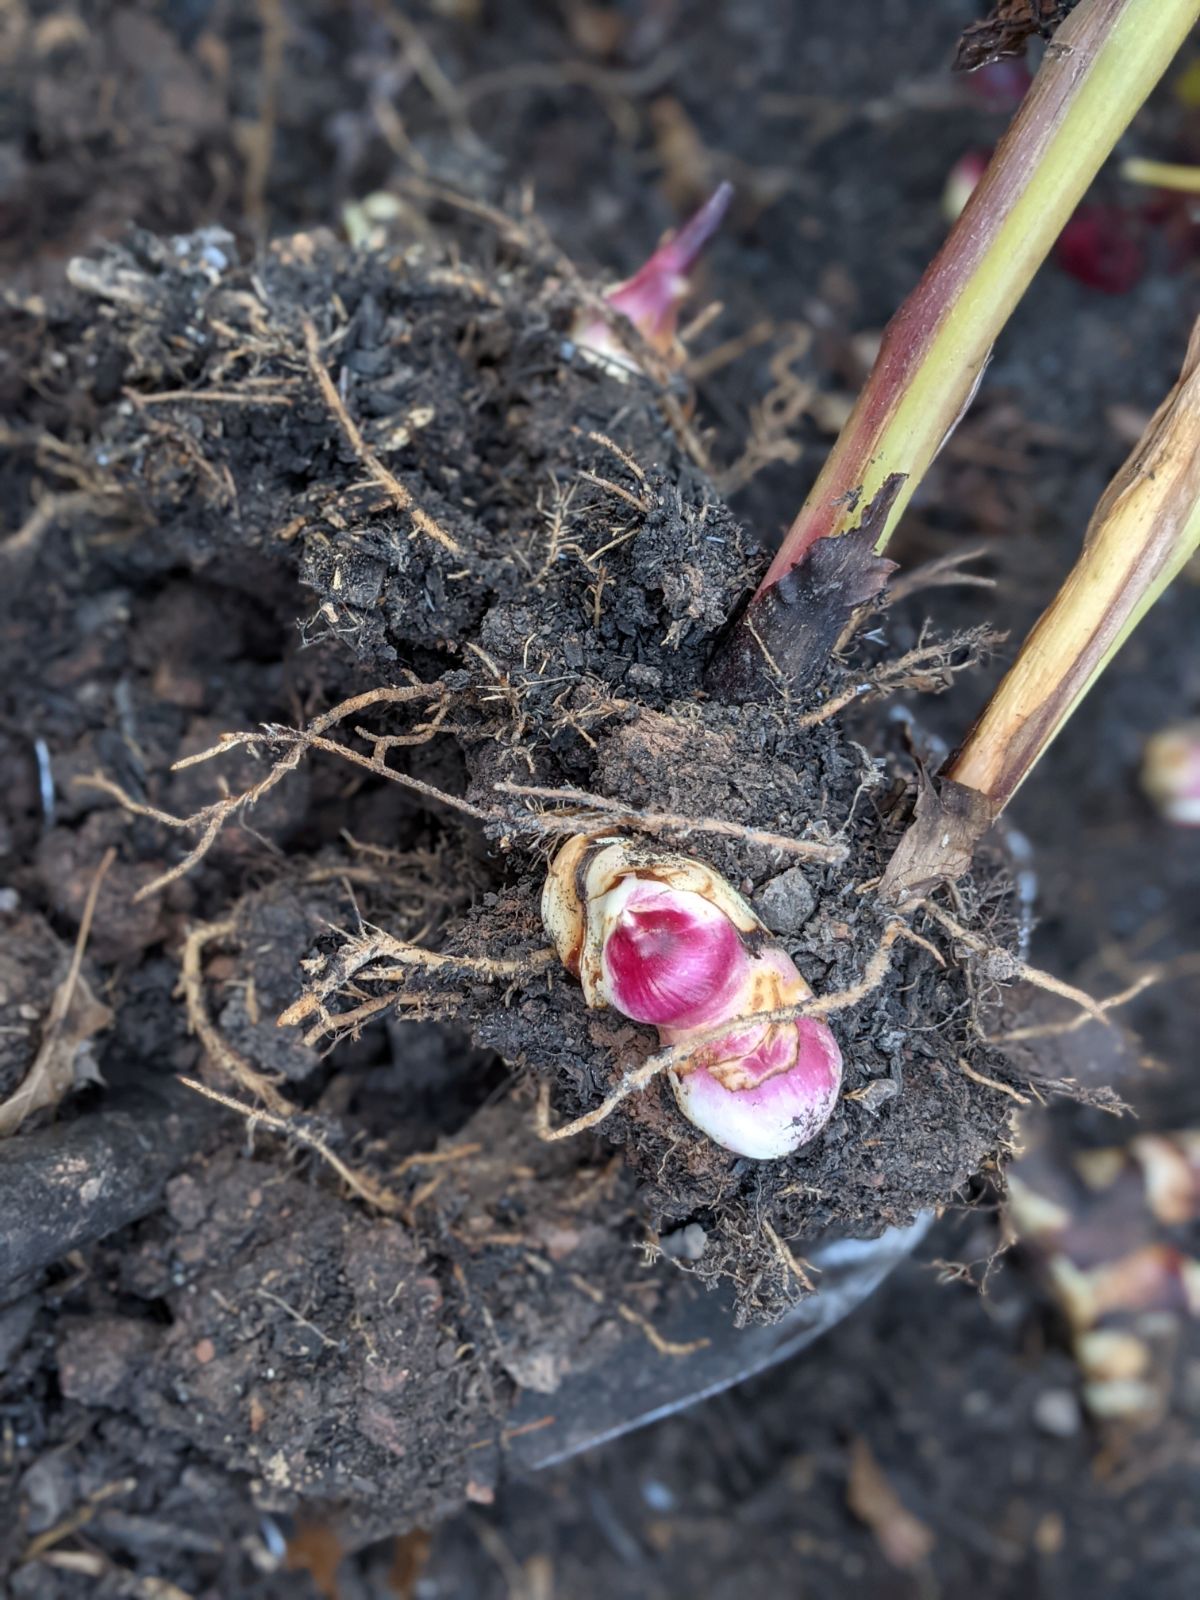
[1007, 30]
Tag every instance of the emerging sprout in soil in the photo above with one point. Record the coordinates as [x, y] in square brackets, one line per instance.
[652, 297]
[1171, 773]
[665, 940]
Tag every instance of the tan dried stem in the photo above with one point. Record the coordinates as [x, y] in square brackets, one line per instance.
[51, 1072]
[1144, 530]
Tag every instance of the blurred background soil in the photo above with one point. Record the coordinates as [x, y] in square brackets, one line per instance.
[936, 1440]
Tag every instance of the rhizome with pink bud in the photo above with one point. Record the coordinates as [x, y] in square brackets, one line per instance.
[515, 577]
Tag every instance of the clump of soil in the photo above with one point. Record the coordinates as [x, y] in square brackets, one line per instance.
[381, 498]
[472, 507]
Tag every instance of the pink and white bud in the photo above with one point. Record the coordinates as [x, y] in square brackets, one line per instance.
[1171, 773]
[665, 940]
[652, 297]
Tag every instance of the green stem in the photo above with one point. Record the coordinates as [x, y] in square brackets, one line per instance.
[1100, 67]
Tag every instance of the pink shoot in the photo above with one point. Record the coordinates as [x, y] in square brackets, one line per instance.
[652, 297]
[665, 940]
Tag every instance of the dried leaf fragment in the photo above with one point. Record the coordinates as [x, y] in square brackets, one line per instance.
[904, 1539]
[1007, 30]
[63, 1062]
[75, 1016]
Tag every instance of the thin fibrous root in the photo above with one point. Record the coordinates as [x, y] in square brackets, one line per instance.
[365, 1187]
[1054, 1030]
[617, 814]
[623, 456]
[1094, 1010]
[992, 1083]
[665, 1347]
[926, 669]
[332, 1027]
[374, 945]
[221, 1054]
[789, 1261]
[379, 474]
[297, 742]
[678, 1055]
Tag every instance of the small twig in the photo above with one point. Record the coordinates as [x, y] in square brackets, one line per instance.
[366, 1188]
[661, 821]
[386, 480]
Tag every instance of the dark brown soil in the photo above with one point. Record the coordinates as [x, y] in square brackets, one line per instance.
[259, 1347]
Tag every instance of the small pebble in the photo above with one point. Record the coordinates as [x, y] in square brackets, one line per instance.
[657, 1496]
[786, 902]
[1056, 1412]
[685, 1244]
